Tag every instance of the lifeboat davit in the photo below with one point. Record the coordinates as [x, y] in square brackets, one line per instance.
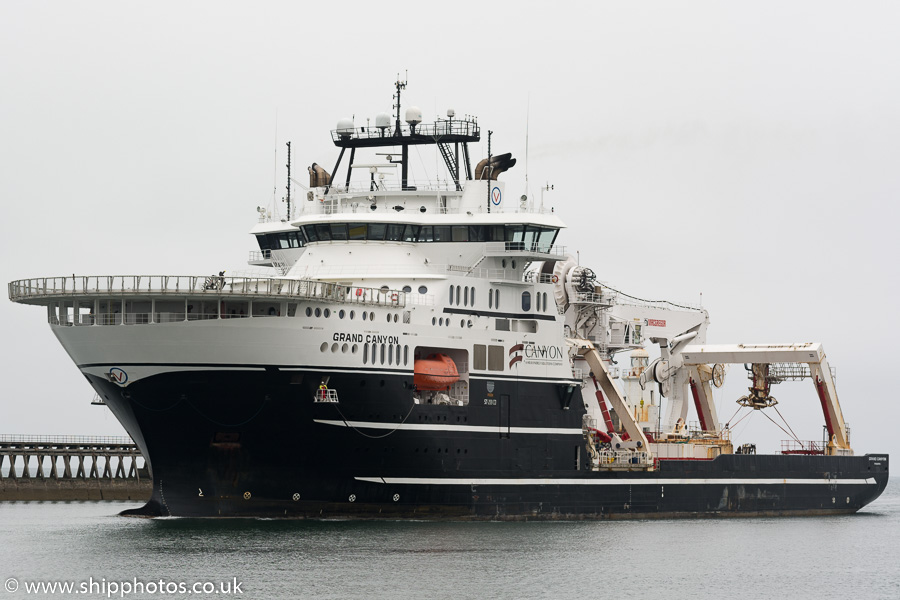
[435, 372]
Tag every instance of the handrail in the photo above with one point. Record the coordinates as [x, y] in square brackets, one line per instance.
[212, 285]
[65, 439]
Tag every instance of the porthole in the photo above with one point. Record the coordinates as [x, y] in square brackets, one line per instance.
[384, 289]
[345, 348]
[318, 312]
[382, 354]
[468, 323]
[423, 289]
[472, 296]
[327, 313]
[458, 295]
[342, 314]
[405, 355]
[354, 349]
[490, 298]
[433, 320]
[397, 359]
[388, 317]
[308, 311]
[371, 316]
[395, 318]
[451, 295]
[365, 353]
[466, 296]
[441, 321]
[390, 354]
[406, 289]
[364, 315]
[334, 347]
[503, 263]
[323, 347]
[447, 322]
[352, 314]
[513, 264]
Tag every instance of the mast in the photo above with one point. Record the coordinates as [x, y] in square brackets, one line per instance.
[288, 197]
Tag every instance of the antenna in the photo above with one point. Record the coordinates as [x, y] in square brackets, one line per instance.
[289, 182]
[527, 115]
[400, 85]
[275, 167]
[490, 171]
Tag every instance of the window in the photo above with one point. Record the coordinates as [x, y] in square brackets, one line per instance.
[460, 233]
[310, 231]
[491, 298]
[412, 233]
[357, 231]
[376, 231]
[426, 234]
[339, 231]
[451, 295]
[423, 289]
[442, 233]
[526, 301]
[395, 233]
[324, 233]
[466, 296]
[501, 324]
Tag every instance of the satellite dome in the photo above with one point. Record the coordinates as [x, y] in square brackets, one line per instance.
[413, 115]
[345, 127]
[382, 120]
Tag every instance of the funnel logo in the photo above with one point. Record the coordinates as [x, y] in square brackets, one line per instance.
[514, 354]
[495, 196]
[117, 376]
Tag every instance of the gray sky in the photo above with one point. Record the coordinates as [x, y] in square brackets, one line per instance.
[746, 152]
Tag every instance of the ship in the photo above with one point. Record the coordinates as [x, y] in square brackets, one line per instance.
[411, 348]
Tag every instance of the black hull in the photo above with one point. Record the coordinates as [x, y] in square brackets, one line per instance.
[252, 443]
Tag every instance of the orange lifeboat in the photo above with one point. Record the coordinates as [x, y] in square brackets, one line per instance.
[436, 372]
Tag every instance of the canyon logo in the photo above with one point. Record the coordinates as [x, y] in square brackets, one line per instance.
[537, 354]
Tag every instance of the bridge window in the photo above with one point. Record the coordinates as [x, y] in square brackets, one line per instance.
[426, 234]
[357, 231]
[376, 231]
[395, 233]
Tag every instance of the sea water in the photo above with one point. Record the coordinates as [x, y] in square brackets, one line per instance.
[101, 555]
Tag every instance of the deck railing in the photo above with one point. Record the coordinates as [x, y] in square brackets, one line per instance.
[191, 285]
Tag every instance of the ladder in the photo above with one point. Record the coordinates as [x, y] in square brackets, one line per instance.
[450, 161]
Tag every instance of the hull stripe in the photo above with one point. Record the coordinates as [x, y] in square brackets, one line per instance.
[610, 481]
[465, 428]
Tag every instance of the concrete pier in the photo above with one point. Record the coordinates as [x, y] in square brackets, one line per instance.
[36, 467]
